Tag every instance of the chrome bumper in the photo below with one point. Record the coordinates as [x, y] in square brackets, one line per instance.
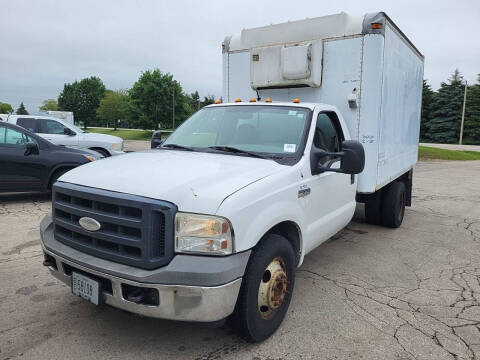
[176, 302]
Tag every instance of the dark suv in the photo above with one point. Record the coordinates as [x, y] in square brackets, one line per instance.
[31, 163]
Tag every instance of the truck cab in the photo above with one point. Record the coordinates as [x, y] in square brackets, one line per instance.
[214, 222]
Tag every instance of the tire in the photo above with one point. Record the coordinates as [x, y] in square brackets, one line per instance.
[373, 209]
[102, 152]
[393, 204]
[271, 266]
[55, 177]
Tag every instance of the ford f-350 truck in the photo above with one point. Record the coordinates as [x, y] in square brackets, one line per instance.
[317, 115]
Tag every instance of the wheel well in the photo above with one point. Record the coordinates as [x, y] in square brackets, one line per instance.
[292, 233]
[56, 171]
[101, 149]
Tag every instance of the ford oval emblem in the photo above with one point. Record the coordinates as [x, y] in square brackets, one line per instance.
[89, 224]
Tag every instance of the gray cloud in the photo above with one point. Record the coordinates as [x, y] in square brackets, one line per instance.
[47, 43]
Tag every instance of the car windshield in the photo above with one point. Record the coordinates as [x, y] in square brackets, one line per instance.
[253, 129]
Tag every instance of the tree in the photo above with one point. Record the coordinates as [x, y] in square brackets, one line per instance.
[113, 107]
[21, 110]
[471, 132]
[5, 108]
[194, 101]
[444, 127]
[50, 104]
[151, 100]
[82, 98]
[207, 100]
[427, 100]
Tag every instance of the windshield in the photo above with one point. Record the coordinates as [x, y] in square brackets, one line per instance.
[76, 129]
[259, 129]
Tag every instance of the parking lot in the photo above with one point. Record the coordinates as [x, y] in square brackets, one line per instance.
[368, 293]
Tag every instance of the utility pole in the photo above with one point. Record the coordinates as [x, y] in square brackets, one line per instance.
[173, 108]
[463, 113]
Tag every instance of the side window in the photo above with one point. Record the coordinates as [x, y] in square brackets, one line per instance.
[28, 123]
[327, 136]
[3, 132]
[15, 137]
[51, 127]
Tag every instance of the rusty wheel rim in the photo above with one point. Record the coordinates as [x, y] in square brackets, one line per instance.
[272, 289]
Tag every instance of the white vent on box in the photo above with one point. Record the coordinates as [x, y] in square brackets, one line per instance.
[295, 61]
[286, 65]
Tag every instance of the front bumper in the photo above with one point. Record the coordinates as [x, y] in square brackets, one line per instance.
[189, 299]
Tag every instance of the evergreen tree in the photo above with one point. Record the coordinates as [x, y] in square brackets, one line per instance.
[471, 130]
[427, 100]
[21, 110]
[447, 111]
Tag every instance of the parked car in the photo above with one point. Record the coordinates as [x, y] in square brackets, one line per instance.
[31, 163]
[318, 114]
[60, 132]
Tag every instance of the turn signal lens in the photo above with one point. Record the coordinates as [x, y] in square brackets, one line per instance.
[268, 100]
[296, 100]
[376, 26]
[218, 101]
[238, 100]
[253, 100]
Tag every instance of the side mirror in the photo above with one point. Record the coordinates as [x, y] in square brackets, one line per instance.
[31, 148]
[69, 132]
[156, 139]
[352, 159]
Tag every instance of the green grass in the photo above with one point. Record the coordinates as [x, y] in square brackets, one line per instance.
[429, 153]
[124, 134]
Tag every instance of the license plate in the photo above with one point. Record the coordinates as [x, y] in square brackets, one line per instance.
[85, 288]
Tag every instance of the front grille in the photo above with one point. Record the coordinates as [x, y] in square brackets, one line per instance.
[135, 230]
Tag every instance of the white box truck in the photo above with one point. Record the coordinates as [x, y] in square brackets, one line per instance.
[316, 115]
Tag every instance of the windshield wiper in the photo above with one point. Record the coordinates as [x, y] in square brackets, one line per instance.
[176, 146]
[234, 150]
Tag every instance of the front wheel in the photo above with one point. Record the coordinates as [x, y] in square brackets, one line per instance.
[266, 289]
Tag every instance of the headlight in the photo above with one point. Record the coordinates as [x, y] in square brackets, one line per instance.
[204, 234]
[90, 158]
[117, 147]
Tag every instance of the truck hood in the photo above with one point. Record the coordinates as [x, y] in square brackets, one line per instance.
[194, 181]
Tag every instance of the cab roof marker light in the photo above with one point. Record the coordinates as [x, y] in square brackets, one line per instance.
[238, 100]
[253, 100]
[296, 101]
[268, 100]
[218, 101]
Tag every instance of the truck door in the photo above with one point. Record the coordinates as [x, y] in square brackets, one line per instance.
[331, 202]
[54, 131]
[17, 171]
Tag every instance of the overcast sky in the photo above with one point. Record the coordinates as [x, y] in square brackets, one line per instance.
[46, 43]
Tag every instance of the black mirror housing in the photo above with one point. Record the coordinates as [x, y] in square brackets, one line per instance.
[156, 139]
[352, 159]
[31, 148]
[69, 132]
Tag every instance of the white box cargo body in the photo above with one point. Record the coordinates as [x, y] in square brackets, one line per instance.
[63, 115]
[365, 66]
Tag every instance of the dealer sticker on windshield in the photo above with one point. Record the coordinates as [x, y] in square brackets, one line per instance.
[290, 148]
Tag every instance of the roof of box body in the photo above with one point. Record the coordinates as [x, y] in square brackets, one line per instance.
[324, 27]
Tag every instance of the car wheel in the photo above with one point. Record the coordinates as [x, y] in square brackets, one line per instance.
[393, 204]
[102, 152]
[56, 175]
[266, 290]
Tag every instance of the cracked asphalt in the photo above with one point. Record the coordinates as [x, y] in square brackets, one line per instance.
[367, 293]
